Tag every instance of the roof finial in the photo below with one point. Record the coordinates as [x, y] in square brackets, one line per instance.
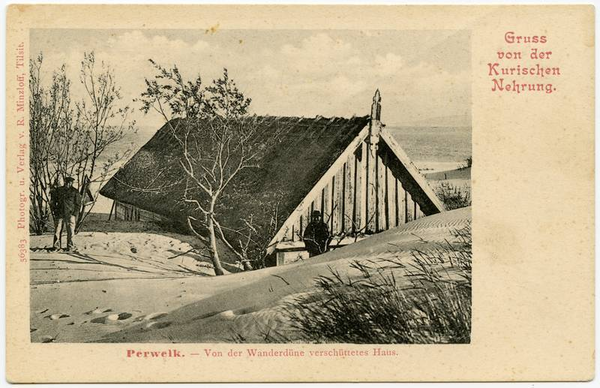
[375, 124]
[376, 107]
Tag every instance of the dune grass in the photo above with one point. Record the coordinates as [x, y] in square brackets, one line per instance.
[375, 309]
[453, 196]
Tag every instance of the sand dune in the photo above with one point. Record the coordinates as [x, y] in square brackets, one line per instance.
[256, 309]
[114, 279]
[110, 294]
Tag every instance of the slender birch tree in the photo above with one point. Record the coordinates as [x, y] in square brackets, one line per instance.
[215, 135]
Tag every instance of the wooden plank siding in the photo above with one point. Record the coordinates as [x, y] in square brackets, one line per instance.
[403, 205]
[318, 203]
[415, 210]
[400, 202]
[326, 213]
[357, 191]
[371, 179]
[410, 208]
[306, 216]
[381, 191]
[126, 212]
[349, 195]
[338, 204]
[296, 225]
[288, 236]
[390, 197]
[366, 193]
[332, 203]
[367, 190]
[418, 212]
[362, 194]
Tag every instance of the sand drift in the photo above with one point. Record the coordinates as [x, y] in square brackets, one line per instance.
[127, 287]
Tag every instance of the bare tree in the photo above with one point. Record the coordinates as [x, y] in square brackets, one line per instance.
[217, 140]
[50, 115]
[253, 238]
[102, 122]
[73, 139]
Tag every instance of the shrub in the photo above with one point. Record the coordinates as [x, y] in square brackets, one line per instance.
[375, 309]
[453, 197]
[468, 163]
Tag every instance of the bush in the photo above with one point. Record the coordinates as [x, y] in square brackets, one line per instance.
[468, 163]
[453, 197]
[375, 309]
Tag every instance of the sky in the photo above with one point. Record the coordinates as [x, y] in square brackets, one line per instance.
[424, 76]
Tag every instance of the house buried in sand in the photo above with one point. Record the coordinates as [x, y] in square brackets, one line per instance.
[352, 170]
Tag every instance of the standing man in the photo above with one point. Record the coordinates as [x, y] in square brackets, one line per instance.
[66, 202]
[316, 235]
[56, 185]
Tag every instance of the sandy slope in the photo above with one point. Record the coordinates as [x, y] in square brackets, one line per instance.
[74, 295]
[124, 287]
[254, 309]
[457, 174]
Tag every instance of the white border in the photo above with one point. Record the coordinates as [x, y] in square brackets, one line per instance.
[357, 2]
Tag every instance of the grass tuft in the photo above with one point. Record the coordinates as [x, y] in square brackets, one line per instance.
[374, 308]
[453, 197]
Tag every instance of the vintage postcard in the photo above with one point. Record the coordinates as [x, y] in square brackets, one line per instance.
[288, 193]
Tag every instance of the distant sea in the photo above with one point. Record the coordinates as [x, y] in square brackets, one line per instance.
[435, 148]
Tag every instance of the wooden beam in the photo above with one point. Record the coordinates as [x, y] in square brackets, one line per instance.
[306, 215]
[381, 191]
[418, 212]
[410, 207]
[397, 201]
[355, 195]
[326, 214]
[349, 195]
[111, 210]
[416, 209]
[337, 204]
[318, 203]
[390, 198]
[332, 200]
[363, 188]
[371, 212]
[297, 229]
[377, 200]
[405, 203]
[339, 213]
[343, 197]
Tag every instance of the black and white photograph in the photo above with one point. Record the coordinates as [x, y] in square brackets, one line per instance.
[250, 186]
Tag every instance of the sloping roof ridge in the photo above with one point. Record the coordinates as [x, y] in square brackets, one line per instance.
[258, 117]
[316, 118]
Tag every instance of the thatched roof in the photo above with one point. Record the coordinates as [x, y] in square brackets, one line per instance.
[300, 151]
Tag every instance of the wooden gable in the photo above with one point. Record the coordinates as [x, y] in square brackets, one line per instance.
[372, 186]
